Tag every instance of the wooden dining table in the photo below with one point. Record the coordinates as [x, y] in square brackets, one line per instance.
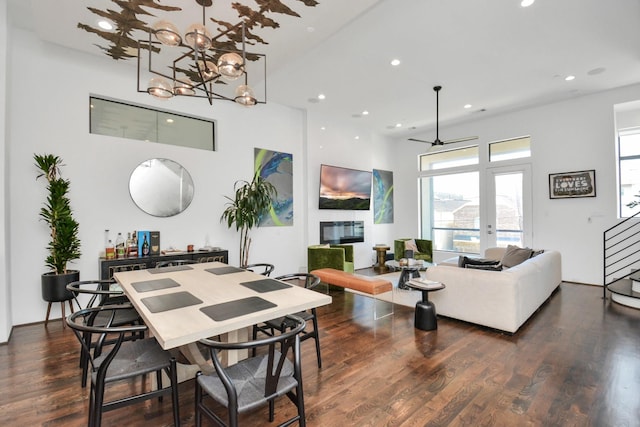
[183, 304]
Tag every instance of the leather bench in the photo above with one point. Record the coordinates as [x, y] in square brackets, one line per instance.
[371, 285]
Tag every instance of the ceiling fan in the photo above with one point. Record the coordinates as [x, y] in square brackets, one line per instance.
[437, 141]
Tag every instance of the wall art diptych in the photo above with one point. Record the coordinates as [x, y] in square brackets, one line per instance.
[382, 197]
[276, 168]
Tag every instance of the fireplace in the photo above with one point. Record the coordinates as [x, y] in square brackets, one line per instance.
[341, 231]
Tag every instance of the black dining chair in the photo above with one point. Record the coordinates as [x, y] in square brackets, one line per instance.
[260, 268]
[121, 361]
[103, 292]
[257, 381]
[281, 324]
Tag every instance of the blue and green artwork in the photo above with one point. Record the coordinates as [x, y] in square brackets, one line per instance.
[382, 197]
[276, 168]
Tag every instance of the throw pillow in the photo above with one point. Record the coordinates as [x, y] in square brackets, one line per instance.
[464, 261]
[496, 267]
[536, 252]
[515, 255]
[410, 245]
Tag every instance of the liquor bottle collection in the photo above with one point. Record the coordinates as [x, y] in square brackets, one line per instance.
[125, 248]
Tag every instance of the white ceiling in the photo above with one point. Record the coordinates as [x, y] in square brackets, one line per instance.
[492, 54]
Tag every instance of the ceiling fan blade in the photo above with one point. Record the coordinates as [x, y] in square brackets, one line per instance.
[468, 138]
[420, 140]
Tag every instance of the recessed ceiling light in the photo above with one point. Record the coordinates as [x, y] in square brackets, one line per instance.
[468, 106]
[365, 113]
[321, 96]
[526, 3]
[322, 128]
[105, 25]
[395, 62]
[398, 125]
[569, 78]
[357, 137]
[169, 120]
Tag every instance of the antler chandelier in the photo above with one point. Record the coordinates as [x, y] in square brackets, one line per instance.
[198, 64]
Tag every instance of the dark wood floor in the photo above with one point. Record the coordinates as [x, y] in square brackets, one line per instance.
[575, 363]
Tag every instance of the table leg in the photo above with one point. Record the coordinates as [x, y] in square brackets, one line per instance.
[425, 315]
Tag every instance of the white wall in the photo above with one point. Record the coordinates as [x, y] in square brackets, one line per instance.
[49, 114]
[5, 291]
[574, 135]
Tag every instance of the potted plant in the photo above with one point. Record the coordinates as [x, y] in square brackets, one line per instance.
[63, 228]
[252, 200]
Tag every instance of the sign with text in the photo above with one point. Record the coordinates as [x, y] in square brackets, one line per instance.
[572, 184]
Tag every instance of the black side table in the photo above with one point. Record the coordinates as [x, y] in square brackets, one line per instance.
[425, 314]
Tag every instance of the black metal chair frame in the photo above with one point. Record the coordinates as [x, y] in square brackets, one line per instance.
[281, 324]
[174, 262]
[267, 269]
[288, 342]
[101, 374]
[103, 295]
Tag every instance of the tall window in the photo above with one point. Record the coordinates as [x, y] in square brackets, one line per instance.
[470, 201]
[629, 167]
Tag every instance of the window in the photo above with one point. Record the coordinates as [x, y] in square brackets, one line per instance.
[115, 118]
[629, 167]
[510, 149]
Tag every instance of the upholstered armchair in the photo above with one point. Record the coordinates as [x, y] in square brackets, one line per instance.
[339, 257]
[424, 252]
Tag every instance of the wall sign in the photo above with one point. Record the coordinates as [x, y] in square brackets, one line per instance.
[572, 184]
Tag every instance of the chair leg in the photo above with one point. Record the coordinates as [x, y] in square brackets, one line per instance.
[316, 337]
[174, 393]
[198, 400]
[64, 315]
[98, 400]
[159, 383]
[271, 410]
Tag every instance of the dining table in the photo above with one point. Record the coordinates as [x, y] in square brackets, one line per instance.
[183, 304]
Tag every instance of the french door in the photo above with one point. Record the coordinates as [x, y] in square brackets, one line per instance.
[507, 211]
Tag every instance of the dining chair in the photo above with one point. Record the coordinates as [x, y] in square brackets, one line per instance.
[121, 361]
[174, 262]
[103, 292]
[281, 324]
[256, 381]
[260, 268]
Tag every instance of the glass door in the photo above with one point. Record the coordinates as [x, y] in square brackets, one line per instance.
[508, 207]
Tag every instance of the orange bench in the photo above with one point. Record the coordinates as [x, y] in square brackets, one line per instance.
[371, 285]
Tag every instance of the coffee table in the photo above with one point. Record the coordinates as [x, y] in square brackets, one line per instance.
[425, 314]
[408, 271]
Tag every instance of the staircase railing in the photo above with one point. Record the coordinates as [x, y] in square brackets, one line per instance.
[621, 251]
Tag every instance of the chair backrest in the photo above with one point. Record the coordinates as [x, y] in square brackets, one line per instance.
[287, 342]
[82, 324]
[101, 291]
[308, 280]
[260, 268]
[174, 262]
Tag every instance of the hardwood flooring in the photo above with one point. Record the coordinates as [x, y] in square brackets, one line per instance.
[575, 363]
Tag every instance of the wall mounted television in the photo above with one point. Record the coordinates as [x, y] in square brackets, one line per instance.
[343, 188]
[341, 232]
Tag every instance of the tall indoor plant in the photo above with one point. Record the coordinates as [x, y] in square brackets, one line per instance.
[63, 228]
[252, 200]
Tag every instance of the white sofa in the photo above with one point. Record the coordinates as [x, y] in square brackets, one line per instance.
[502, 300]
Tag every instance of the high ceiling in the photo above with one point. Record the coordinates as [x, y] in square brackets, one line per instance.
[494, 54]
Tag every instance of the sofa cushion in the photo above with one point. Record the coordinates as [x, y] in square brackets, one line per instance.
[515, 255]
[486, 267]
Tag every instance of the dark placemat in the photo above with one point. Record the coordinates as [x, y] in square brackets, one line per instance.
[224, 270]
[265, 285]
[237, 308]
[154, 285]
[169, 269]
[170, 301]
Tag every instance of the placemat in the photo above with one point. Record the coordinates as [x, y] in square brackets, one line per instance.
[265, 285]
[154, 285]
[169, 269]
[224, 270]
[168, 302]
[237, 308]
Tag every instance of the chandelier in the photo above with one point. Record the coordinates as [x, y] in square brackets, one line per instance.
[199, 64]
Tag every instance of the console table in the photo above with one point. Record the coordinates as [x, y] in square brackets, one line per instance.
[110, 266]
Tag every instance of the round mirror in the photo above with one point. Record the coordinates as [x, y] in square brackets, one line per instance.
[161, 187]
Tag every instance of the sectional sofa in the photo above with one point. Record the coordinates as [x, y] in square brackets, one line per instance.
[501, 300]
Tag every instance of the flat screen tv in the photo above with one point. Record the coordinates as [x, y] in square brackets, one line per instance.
[343, 188]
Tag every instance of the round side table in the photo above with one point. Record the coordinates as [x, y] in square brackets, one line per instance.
[381, 253]
[425, 314]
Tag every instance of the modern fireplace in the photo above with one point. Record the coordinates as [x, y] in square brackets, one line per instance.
[341, 231]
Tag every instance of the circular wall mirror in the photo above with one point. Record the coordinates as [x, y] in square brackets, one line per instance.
[161, 187]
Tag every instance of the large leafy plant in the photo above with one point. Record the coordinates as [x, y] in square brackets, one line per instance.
[251, 201]
[56, 212]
